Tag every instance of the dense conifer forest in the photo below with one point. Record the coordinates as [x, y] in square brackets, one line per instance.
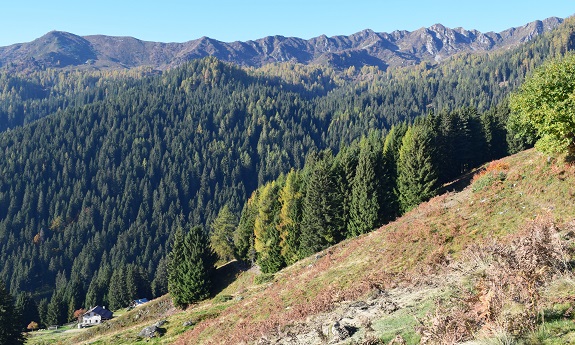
[101, 170]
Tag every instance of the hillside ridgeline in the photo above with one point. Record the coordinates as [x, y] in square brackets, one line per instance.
[400, 48]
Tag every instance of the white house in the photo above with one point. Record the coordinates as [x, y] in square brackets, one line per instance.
[95, 316]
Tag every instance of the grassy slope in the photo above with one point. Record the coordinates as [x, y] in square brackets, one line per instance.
[404, 258]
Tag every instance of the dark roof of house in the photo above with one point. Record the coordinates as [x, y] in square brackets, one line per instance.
[103, 312]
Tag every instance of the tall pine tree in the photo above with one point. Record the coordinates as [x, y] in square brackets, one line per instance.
[160, 282]
[10, 328]
[365, 198]
[417, 173]
[391, 209]
[57, 310]
[27, 308]
[191, 265]
[346, 162]
[322, 224]
[493, 122]
[118, 293]
[244, 237]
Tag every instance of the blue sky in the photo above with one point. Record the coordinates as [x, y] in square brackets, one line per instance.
[225, 20]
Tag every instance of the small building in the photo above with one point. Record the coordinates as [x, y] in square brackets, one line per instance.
[95, 316]
[140, 301]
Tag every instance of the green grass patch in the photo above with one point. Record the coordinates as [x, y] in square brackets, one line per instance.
[488, 180]
[557, 332]
[263, 278]
[404, 322]
[222, 298]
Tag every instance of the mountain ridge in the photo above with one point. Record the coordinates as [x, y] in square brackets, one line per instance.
[59, 49]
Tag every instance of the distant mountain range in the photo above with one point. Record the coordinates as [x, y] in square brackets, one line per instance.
[65, 50]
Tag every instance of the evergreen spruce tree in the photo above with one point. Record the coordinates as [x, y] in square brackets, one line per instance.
[43, 311]
[57, 310]
[460, 143]
[95, 294]
[144, 286]
[160, 282]
[74, 297]
[176, 267]
[459, 151]
[493, 122]
[478, 149]
[27, 308]
[272, 261]
[390, 208]
[364, 206]
[417, 173]
[383, 177]
[133, 283]
[322, 205]
[244, 237]
[449, 135]
[191, 263]
[118, 293]
[10, 319]
[346, 162]
[92, 295]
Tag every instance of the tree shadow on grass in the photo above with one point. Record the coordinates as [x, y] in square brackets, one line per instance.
[461, 183]
[227, 274]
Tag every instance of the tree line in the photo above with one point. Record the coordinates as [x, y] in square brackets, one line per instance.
[363, 186]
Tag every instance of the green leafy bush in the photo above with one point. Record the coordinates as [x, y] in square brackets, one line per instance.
[545, 106]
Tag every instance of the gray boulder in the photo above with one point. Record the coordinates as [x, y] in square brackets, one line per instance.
[341, 332]
[153, 330]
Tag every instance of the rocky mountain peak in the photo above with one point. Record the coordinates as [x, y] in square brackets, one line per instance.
[65, 50]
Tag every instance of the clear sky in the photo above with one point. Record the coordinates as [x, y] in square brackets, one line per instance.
[227, 20]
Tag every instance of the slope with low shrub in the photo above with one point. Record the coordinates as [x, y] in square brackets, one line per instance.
[488, 262]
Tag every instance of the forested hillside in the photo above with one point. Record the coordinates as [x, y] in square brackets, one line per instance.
[364, 186]
[99, 170]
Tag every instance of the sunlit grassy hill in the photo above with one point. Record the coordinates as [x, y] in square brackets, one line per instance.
[488, 261]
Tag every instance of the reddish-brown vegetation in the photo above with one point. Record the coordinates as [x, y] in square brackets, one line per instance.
[506, 295]
[409, 252]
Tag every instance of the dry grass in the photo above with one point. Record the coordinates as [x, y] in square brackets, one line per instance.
[405, 252]
[469, 226]
[493, 168]
[506, 295]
